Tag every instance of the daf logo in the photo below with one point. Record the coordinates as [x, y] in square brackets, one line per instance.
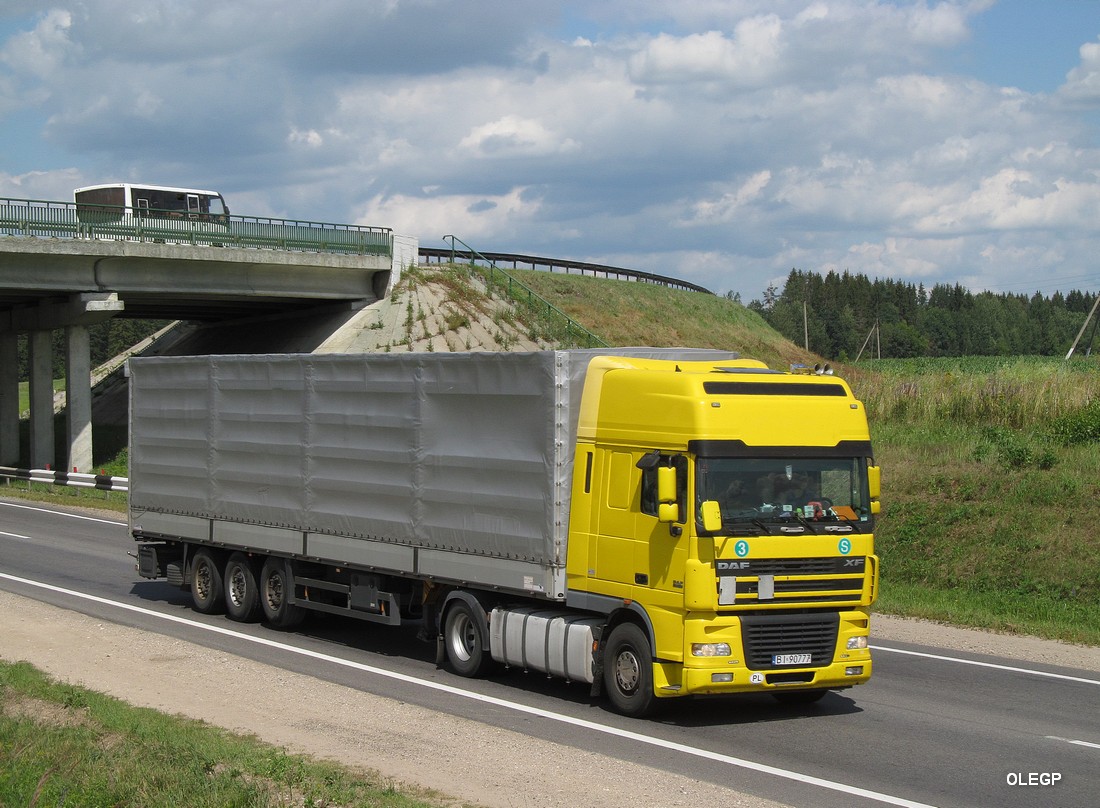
[838, 528]
[733, 565]
[792, 530]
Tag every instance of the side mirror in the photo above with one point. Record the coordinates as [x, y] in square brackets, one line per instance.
[668, 510]
[711, 512]
[874, 487]
[666, 484]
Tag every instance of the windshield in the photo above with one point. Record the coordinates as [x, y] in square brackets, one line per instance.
[755, 490]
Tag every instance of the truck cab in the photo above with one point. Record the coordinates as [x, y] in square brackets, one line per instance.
[723, 517]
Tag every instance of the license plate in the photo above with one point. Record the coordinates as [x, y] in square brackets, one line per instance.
[791, 659]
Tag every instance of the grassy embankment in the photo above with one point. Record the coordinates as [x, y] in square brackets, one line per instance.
[990, 477]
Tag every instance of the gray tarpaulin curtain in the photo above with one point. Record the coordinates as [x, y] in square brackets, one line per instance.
[470, 453]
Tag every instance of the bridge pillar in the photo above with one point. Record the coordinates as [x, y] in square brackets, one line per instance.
[74, 314]
[78, 398]
[9, 400]
[40, 355]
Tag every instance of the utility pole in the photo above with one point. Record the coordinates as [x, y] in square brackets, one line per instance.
[805, 327]
[1083, 327]
[872, 333]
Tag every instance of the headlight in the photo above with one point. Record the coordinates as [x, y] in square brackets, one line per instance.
[710, 649]
[857, 643]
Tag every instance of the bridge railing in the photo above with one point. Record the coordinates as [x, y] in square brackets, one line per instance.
[45, 219]
[430, 255]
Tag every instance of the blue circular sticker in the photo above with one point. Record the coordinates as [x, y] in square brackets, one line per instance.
[845, 546]
[741, 548]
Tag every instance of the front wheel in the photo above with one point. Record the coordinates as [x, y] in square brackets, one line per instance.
[628, 671]
[464, 641]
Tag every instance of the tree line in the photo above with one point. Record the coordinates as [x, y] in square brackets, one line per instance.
[839, 311]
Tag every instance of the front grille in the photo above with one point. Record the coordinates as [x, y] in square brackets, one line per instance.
[796, 580]
[812, 585]
[764, 636]
[794, 566]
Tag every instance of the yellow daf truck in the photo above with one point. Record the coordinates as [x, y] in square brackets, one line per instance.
[656, 523]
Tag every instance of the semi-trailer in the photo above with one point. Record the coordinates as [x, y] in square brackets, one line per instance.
[655, 523]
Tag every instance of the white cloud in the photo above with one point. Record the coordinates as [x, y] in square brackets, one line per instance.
[747, 58]
[40, 52]
[726, 207]
[1083, 82]
[467, 216]
[512, 135]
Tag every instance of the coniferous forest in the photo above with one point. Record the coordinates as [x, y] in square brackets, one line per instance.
[842, 309]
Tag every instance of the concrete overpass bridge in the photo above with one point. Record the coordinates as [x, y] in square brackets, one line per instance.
[246, 278]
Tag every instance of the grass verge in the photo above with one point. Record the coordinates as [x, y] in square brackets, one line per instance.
[64, 745]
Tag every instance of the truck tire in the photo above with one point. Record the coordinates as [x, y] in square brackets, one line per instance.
[207, 592]
[628, 671]
[242, 596]
[464, 641]
[275, 593]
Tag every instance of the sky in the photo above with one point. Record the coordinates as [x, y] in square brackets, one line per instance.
[724, 142]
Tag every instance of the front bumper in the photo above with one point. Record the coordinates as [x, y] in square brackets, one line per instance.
[842, 668]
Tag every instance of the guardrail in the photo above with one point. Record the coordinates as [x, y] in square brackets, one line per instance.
[442, 254]
[45, 219]
[100, 482]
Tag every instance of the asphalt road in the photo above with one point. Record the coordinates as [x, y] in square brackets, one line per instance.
[932, 727]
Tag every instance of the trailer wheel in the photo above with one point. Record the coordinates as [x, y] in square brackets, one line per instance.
[206, 584]
[628, 671]
[242, 597]
[464, 641]
[275, 593]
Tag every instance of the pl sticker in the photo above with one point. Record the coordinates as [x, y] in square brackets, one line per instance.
[756, 678]
[845, 546]
[741, 548]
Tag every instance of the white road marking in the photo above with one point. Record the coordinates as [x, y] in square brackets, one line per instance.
[1030, 671]
[13, 535]
[63, 513]
[637, 737]
[1074, 742]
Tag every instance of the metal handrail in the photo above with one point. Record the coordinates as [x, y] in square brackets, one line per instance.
[47, 219]
[565, 264]
[530, 297]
